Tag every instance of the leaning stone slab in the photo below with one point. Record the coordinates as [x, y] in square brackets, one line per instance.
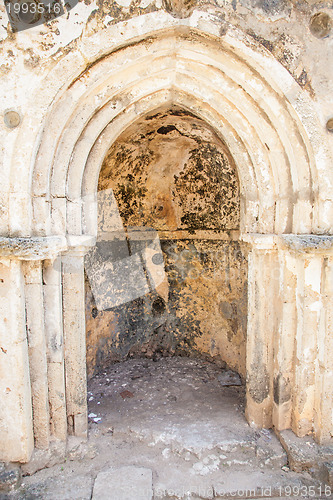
[124, 483]
[327, 473]
[45, 458]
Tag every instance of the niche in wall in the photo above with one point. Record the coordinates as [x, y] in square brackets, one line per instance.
[171, 172]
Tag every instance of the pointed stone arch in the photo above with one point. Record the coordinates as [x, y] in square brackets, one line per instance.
[248, 98]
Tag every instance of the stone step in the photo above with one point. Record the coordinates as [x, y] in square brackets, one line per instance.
[124, 483]
[258, 449]
[246, 482]
[304, 453]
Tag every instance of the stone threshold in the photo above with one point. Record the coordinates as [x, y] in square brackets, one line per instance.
[304, 454]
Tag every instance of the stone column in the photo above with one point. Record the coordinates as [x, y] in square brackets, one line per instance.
[290, 333]
[323, 418]
[263, 307]
[284, 343]
[16, 429]
[24, 416]
[55, 347]
[75, 339]
[312, 280]
[303, 379]
[37, 352]
[308, 309]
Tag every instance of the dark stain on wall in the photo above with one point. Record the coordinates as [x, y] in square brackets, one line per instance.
[172, 172]
[258, 380]
[207, 166]
[281, 389]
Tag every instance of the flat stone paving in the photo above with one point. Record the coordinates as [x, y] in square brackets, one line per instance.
[168, 429]
[125, 483]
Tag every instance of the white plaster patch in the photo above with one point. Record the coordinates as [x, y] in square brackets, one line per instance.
[308, 355]
[71, 27]
[166, 453]
[209, 464]
[145, 3]
[124, 3]
[316, 306]
[107, 20]
[312, 274]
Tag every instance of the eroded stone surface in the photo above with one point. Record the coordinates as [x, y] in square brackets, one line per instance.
[171, 172]
[303, 452]
[32, 248]
[10, 477]
[124, 483]
[74, 487]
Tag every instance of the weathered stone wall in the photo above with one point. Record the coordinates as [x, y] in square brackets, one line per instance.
[260, 74]
[297, 34]
[206, 313]
[171, 172]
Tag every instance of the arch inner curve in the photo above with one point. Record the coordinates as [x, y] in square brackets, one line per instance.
[265, 136]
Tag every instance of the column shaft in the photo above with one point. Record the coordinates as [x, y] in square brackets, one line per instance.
[323, 417]
[37, 352]
[16, 430]
[284, 344]
[55, 347]
[262, 297]
[308, 303]
[75, 343]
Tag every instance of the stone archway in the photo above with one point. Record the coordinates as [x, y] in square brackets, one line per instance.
[262, 115]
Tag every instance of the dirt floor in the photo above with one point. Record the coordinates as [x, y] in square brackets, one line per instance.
[169, 429]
